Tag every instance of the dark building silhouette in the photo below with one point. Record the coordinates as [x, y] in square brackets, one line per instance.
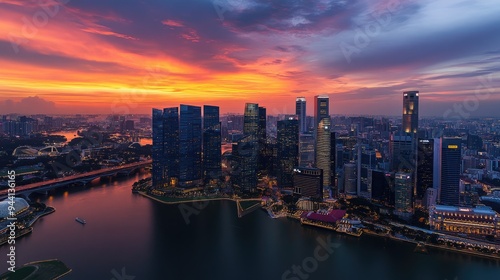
[211, 143]
[300, 111]
[288, 151]
[246, 150]
[333, 173]
[425, 168]
[165, 148]
[245, 164]
[368, 161]
[474, 142]
[402, 152]
[190, 139]
[450, 158]
[382, 186]
[263, 159]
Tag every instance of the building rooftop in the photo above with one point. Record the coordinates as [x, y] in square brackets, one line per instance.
[480, 209]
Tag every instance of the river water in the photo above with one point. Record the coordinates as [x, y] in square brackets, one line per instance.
[129, 235]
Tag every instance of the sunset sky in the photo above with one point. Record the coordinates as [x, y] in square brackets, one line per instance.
[127, 56]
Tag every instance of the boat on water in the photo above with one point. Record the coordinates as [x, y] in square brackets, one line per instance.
[81, 221]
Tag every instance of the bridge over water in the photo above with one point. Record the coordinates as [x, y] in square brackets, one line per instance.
[83, 178]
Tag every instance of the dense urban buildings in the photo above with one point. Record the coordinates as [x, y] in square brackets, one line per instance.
[232, 139]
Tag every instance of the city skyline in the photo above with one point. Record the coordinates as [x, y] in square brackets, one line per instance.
[255, 139]
[231, 52]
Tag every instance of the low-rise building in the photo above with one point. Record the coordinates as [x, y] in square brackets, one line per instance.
[479, 221]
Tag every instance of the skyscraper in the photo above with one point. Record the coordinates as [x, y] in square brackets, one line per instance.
[350, 178]
[323, 150]
[211, 143]
[368, 161]
[323, 137]
[251, 120]
[246, 150]
[245, 164]
[450, 171]
[382, 186]
[190, 145]
[165, 149]
[300, 110]
[306, 150]
[403, 188]
[410, 111]
[333, 162]
[288, 151]
[402, 152]
[321, 109]
[263, 163]
[425, 168]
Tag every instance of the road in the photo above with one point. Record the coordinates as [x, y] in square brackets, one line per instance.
[34, 186]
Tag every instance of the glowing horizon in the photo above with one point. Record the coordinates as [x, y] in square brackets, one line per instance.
[105, 58]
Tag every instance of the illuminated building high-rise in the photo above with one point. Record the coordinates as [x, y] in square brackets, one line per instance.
[403, 189]
[323, 137]
[321, 109]
[410, 111]
[246, 150]
[300, 110]
[165, 148]
[288, 151]
[323, 150]
[190, 145]
[448, 171]
[251, 120]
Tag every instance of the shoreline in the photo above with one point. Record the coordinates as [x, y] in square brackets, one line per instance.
[197, 199]
[240, 210]
[20, 234]
[29, 226]
[185, 200]
[434, 246]
[393, 238]
[45, 213]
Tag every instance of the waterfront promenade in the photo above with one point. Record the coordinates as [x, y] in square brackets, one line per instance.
[241, 210]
